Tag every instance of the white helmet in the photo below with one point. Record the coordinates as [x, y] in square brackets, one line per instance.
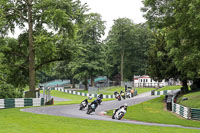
[125, 105]
[90, 97]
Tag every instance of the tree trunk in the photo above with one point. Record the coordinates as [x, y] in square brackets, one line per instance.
[73, 83]
[184, 88]
[122, 65]
[86, 83]
[195, 85]
[31, 49]
[92, 81]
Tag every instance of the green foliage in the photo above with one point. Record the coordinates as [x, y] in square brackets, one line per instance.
[126, 46]
[8, 91]
[178, 22]
[160, 65]
[53, 24]
[89, 60]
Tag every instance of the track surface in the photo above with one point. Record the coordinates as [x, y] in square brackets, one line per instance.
[73, 111]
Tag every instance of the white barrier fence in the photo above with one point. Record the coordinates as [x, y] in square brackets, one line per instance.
[21, 102]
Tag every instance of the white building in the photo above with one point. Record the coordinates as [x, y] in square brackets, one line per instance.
[146, 81]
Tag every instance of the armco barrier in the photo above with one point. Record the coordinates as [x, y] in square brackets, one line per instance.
[160, 92]
[85, 94]
[181, 110]
[195, 114]
[188, 113]
[21, 102]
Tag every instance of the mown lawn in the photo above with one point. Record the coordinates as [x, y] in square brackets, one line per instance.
[169, 88]
[107, 90]
[193, 100]
[74, 99]
[14, 121]
[153, 111]
[143, 90]
[111, 90]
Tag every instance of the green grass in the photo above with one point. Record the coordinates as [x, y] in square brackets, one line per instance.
[143, 90]
[153, 111]
[107, 90]
[193, 100]
[84, 91]
[14, 121]
[111, 90]
[169, 88]
[75, 99]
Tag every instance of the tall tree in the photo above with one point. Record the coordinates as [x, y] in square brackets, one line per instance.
[90, 59]
[60, 16]
[178, 19]
[126, 46]
[118, 38]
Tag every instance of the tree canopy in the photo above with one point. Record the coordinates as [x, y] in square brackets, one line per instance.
[89, 61]
[127, 44]
[49, 23]
[178, 22]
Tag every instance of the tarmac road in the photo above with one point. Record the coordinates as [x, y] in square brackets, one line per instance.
[73, 111]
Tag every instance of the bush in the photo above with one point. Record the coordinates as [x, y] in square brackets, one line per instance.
[8, 91]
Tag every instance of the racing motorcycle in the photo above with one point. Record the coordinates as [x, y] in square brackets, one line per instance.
[91, 108]
[123, 95]
[119, 114]
[117, 96]
[128, 95]
[83, 104]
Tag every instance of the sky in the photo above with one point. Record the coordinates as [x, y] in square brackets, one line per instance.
[110, 10]
[114, 9]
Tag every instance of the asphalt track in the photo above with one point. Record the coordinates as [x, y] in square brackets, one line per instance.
[73, 111]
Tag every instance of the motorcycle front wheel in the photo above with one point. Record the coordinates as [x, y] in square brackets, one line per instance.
[89, 111]
[120, 116]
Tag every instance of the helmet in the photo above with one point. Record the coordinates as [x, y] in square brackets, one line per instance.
[125, 105]
[90, 97]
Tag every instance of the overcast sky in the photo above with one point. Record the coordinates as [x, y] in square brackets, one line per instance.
[114, 9]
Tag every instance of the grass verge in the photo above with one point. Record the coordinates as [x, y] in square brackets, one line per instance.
[169, 88]
[111, 90]
[193, 100]
[14, 121]
[107, 90]
[143, 90]
[153, 111]
[74, 99]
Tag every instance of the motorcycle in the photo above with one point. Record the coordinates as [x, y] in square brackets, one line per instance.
[123, 95]
[117, 96]
[128, 95]
[83, 104]
[119, 114]
[91, 108]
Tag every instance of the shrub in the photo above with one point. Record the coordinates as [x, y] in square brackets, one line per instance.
[8, 91]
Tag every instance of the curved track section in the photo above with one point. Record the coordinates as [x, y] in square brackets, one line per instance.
[73, 111]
